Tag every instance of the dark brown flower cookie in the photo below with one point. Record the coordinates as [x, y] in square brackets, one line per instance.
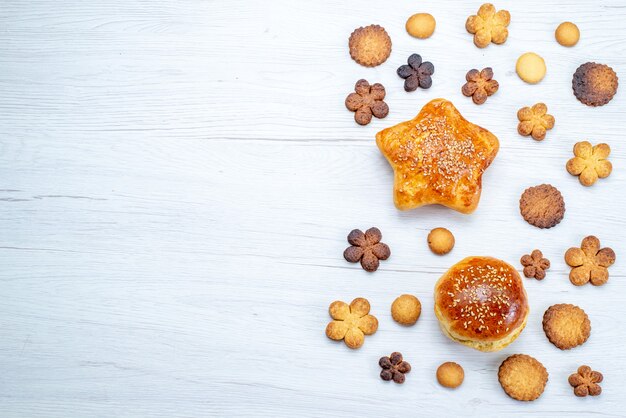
[416, 73]
[535, 265]
[542, 206]
[367, 101]
[480, 85]
[594, 84]
[566, 326]
[370, 45]
[394, 367]
[585, 382]
[366, 248]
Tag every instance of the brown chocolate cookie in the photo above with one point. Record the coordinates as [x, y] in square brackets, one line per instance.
[542, 206]
[370, 45]
[594, 84]
[566, 326]
[522, 377]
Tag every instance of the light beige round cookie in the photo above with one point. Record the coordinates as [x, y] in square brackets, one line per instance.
[567, 34]
[421, 25]
[406, 309]
[522, 377]
[531, 68]
[450, 374]
[440, 241]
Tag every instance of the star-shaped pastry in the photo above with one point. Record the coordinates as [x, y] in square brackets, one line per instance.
[438, 157]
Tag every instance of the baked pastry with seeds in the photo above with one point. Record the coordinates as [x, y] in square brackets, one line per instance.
[438, 157]
[566, 326]
[370, 45]
[594, 84]
[480, 302]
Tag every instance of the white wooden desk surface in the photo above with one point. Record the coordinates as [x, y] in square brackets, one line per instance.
[178, 178]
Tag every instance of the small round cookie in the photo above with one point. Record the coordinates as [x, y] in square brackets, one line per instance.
[522, 377]
[531, 68]
[406, 309]
[440, 241]
[450, 375]
[566, 326]
[542, 206]
[594, 84]
[421, 25]
[370, 45]
[567, 34]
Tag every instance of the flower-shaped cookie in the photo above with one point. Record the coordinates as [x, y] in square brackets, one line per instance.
[366, 248]
[351, 322]
[488, 25]
[535, 265]
[590, 163]
[416, 73]
[367, 101]
[393, 367]
[589, 262]
[480, 85]
[534, 121]
[585, 382]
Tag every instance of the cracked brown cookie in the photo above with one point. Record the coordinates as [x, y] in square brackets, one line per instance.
[594, 84]
[542, 206]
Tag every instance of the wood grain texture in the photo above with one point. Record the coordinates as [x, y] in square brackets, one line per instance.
[177, 180]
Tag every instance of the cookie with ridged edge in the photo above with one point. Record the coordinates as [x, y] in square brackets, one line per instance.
[370, 45]
[542, 206]
[594, 84]
[522, 377]
[566, 326]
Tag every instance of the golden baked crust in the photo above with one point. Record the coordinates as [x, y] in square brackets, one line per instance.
[522, 377]
[566, 326]
[370, 45]
[481, 302]
[594, 84]
[438, 157]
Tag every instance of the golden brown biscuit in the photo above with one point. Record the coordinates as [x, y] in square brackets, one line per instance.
[406, 309]
[594, 84]
[450, 375]
[535, 121]
[370, 45]
[480, 302]
[522, 377]
[567, 34]
[531, 68]
[440, 241]
[589, 263]
[351, 323]
[542, 206]
[566, 326]
[438, 157]
[421, 25]
[488, 25]
[590, 163]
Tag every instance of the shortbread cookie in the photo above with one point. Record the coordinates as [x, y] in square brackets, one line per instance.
[440, 241]
[531, 68]
[542, 206]
[450, 375]
[594, 84]
[370, 45]
[522, 377]
[406, 309]
[567, 34]
[421, 25]
[566, 326]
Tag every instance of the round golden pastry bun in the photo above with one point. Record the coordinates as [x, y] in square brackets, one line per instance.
[480, 302]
